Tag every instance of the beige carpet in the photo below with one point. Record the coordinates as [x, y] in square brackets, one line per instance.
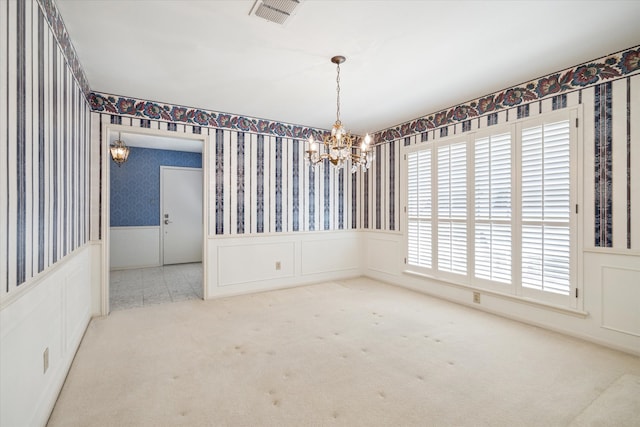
[352, 353]
[618, 405]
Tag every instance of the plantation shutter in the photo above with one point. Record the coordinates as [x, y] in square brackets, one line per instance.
[493, 208]
[452, 208]
[419, 208]
[546, 207]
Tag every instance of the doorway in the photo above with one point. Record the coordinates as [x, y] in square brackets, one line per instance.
[134, 257]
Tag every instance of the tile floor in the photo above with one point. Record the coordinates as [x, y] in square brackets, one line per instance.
[155, 285]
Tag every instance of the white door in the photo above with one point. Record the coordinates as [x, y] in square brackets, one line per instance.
[181, 214]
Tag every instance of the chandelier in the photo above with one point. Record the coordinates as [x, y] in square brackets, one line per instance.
[119, 151]
[340, 146]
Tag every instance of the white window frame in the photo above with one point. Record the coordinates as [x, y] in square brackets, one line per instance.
[515, 289]
[572, 116]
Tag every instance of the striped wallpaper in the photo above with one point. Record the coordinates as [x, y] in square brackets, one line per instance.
[603, 165]
[261, 184]
[316, 198]
[44, 123]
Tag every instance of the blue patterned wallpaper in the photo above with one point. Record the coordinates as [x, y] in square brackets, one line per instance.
[135, 186]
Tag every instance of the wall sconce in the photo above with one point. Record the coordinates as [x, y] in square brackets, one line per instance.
[119, 151]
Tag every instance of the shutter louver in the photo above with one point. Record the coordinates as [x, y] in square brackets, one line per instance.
[546, 207]
[419, 219]
[452, 208]
[493, 208]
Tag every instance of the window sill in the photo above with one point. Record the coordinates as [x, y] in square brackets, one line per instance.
[529, 301]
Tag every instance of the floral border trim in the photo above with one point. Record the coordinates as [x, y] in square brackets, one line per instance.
[140, 108]
[588, 74]
[64, 41]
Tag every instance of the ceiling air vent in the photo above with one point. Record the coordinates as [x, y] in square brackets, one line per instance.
[277, 11]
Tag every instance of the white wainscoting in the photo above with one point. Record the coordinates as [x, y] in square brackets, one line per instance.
[621, 299]
[331, 254]
[612, 282]
[238, 265]
[247, 263]
[51, 313]
[134, 247]
[610, 289]
[383, 252]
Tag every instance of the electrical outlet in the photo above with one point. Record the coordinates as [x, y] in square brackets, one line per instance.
[45, 360]
[278, 265]
[476, 297]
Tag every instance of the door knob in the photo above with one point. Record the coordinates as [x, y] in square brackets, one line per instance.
[167, 222]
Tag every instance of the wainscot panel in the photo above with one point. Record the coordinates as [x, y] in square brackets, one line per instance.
[245, 263]
[47, 321]
[134, 247]
[383, 253]
[331, 254]
[253, 263]
[621, 300]
[612, 294]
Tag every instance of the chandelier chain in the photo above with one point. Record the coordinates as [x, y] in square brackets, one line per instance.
[338, 95]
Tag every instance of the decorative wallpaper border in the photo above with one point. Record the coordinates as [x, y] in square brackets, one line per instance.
[140, 108]
[606, 68]
[60, 31]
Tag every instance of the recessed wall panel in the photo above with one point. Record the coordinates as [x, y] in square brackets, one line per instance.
[621, 300]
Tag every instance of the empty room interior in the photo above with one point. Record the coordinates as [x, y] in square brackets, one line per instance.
[315, 212]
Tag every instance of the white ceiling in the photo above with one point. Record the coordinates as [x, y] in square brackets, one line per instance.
[405, 59]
